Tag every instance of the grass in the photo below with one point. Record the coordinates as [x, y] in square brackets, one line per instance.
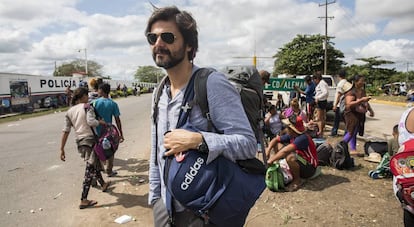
[391, 98]
[30, 115]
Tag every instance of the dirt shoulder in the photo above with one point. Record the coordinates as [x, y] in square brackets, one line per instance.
[335, 198]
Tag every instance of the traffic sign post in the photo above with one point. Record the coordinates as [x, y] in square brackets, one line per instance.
[285, 84]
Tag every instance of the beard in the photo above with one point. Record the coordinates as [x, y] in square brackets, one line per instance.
[169, 59]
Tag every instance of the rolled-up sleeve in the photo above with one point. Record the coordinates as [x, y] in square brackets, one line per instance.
[67, 124]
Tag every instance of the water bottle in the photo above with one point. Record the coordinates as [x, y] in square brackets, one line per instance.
[106, 144]
[259, 148]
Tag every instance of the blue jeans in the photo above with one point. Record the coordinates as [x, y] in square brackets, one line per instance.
[337, 120]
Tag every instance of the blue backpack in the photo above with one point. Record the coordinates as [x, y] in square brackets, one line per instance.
[221, 192]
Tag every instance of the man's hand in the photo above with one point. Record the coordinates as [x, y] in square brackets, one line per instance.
[180, 140]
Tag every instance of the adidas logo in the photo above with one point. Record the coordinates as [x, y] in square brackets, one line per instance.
[189, 176]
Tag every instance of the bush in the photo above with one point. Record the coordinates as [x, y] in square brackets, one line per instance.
[113, 94]
[144, 90]
[373, 90]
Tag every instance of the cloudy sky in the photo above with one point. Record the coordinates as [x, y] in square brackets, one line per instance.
[36, 34]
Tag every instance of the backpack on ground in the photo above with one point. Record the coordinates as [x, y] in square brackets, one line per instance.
[274, 178]
[402, 167]
[324, 154]
[221, 192]
[107, 144]
[383, 168]
[381, 147]
[340, 157]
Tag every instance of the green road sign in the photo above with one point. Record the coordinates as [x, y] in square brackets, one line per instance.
[285, 84]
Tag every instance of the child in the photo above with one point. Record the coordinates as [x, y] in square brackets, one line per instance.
[82, 120]
[393, 145]
[383, 168]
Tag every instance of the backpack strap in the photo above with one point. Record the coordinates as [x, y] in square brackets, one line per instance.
[157, 98]
[200, 98]
[155, 114]
[88, 106]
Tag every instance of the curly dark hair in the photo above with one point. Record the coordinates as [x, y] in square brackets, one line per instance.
[185, 23]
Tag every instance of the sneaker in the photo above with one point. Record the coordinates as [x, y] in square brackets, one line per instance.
[112, 174]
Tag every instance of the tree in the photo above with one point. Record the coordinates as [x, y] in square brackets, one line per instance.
[149, 74]
[371, 71]
[305, 54]
[67, 69]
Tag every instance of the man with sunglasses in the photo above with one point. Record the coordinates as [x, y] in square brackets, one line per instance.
[173, 39]
[299, 150]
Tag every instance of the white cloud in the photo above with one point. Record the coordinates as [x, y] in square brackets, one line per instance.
[384, 8]
[396, 50]
[35, 35]
[403, 25]
[397, 14]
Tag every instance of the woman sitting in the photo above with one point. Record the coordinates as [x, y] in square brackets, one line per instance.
[273, 122]
[310, 125]
[299, 150]
[294, 108]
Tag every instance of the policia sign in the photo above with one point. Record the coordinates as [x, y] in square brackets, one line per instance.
[285, 84]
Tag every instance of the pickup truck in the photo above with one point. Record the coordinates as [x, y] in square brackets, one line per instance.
[332, 90]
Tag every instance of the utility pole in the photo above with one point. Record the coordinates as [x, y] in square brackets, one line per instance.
[325, 43]
[406, 78]
[86, 60]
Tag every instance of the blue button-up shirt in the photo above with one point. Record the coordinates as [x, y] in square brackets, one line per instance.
[236, 142]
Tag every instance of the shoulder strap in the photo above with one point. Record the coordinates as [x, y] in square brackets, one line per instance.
[87, 106]
[200, 90]
[155, 114]
[157, 96]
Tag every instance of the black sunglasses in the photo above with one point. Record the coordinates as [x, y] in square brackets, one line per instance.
[166, 37]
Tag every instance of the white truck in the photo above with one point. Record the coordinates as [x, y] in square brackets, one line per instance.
[24, 92]
[330, 80]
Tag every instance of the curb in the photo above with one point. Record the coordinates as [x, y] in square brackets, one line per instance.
[403, 104]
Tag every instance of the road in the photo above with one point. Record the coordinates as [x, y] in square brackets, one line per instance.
[380, 126]
[37, 189]
[386, 116]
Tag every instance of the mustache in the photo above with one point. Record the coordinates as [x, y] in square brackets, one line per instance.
[159, 50]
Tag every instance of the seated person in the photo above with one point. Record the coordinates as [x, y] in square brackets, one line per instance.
[280, 104]
[273, 122]
[392, 143]
[299, 150]
[294, 108]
